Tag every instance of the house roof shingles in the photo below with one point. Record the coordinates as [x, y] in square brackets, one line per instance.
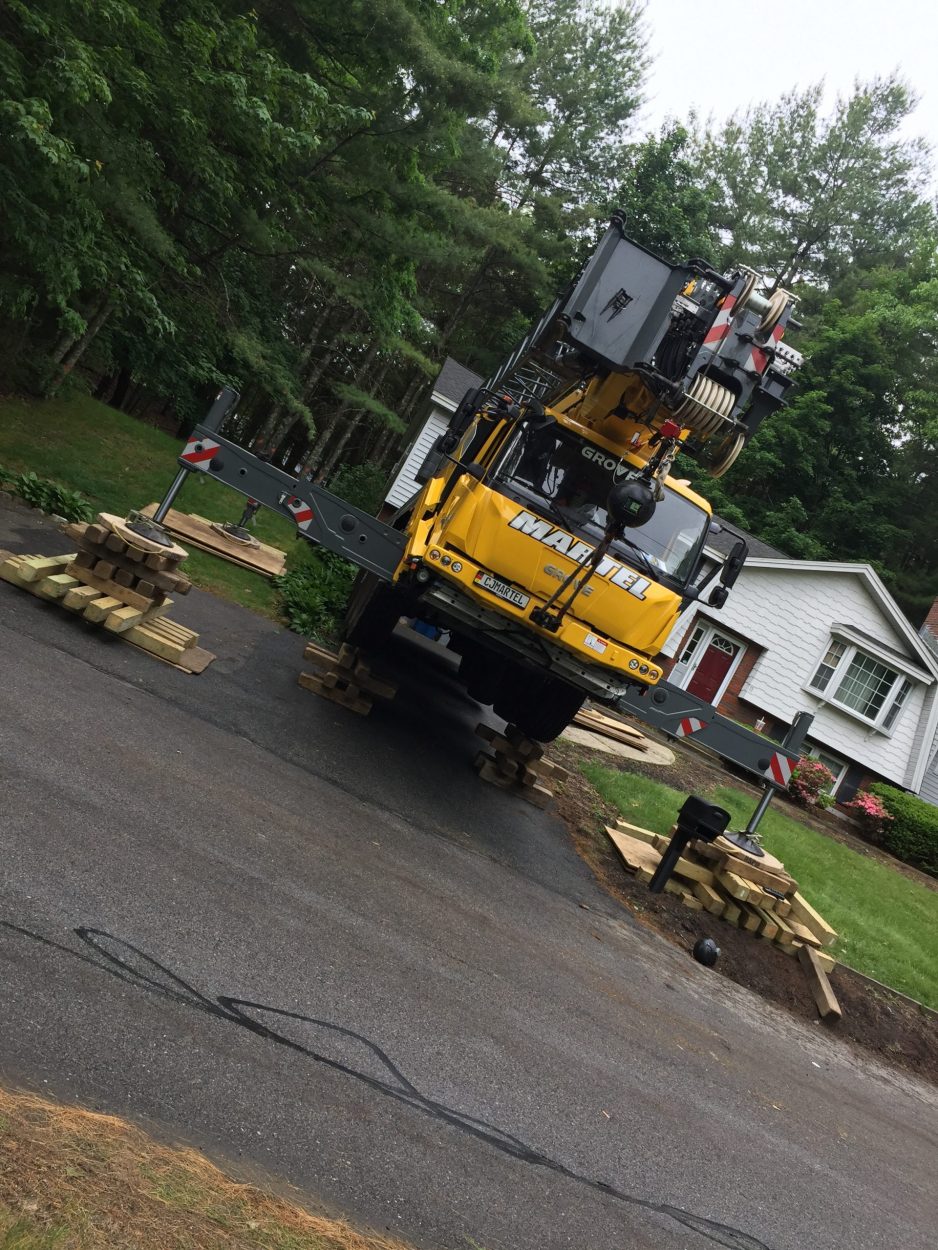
[454, 380]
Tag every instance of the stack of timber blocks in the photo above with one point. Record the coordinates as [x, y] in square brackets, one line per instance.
[344, 677]
[517, 763]
[755, 894]
[113, 582]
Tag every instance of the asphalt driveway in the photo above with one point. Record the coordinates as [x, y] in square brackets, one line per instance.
[318, 946]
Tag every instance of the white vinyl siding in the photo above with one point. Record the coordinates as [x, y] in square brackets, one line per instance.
[405, 484]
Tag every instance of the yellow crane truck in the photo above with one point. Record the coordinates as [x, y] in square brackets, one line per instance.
[551, 538]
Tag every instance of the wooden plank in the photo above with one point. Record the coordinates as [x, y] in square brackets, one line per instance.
[101, 608]
[804, 913]
[634, 854]
[767, 927]
[151, 638]
[123, 619]
[731, 912]
[636, 831]
[53, 587]
[761, 876]
[785, 936]
[198, 532]
[35, 568]
[735, 886]
[802, 932]
[825, 998]
[310, 681]
[749, 919]
[77, 599]
[708, 896]
[106, 587]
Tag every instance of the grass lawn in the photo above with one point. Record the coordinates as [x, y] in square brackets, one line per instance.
[120, 463]
[74, 1180]
[888, 923]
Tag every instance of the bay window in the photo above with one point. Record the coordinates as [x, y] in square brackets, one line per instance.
[861, 684]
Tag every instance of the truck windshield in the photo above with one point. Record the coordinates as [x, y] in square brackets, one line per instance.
[568, 480]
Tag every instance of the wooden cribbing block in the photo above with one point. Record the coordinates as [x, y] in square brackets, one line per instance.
[636, 831]
[154, 637]
[101, 608]
[309, 681]
[749, 919]
[708, 896]
[731, 912]
[827, 1004]
[785, 936]
[135, 562]
[804, 913]
[802, 933]
[767, 927]
[54, 587]
[123, 619]
[35, 568]
[760, 876]
[104, 569]
[79, 597]
[108, 587]
[735, 886]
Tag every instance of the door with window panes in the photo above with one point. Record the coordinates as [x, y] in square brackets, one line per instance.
[713, 658]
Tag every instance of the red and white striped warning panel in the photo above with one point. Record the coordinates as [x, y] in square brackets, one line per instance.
[721, 323]
[198, 452]
[780, 768]
[689, 725]
[302, 512]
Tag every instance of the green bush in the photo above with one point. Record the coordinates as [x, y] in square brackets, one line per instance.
[315, 591]
[42, 493]
[361, 484]
[912, 834]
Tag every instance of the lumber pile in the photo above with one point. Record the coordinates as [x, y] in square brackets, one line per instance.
[344, 677]
[119, 581]
[517, 763]
[754, 894]
[197, 531]
[611, 727]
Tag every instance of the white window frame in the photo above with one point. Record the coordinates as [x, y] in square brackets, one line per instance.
[813, 750]
[682, 674]
[828, 694]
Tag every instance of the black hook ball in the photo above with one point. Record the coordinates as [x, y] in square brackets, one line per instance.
[706, 952]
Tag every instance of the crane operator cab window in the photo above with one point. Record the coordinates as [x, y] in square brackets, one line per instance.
[567, 480]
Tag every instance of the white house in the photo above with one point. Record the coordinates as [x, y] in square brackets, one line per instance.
[448, 389]
[823, 637]
[794, 635]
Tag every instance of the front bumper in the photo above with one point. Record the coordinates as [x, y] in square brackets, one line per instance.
[458, 603]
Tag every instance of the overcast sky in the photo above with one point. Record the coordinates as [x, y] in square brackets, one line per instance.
[721, 57]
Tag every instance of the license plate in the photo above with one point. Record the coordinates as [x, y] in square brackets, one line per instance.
[502, 589]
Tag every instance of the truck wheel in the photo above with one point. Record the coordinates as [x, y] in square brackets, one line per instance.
[541, 707]
[374, 608]
[482, 673]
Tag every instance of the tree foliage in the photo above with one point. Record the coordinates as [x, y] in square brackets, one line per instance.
[318, 203]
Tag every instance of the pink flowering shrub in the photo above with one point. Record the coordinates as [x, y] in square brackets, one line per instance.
[809, 783]
[869, 812]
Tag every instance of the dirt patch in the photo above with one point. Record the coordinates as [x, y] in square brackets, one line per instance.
[74, 1180]
[875, 1019]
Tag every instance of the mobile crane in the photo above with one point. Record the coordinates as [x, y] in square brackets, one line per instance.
[550, 537]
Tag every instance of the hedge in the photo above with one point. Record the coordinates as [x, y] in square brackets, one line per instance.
[912, 834]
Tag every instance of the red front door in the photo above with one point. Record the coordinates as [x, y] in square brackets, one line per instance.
[713, 667]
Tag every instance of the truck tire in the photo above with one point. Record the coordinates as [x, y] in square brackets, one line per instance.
[374, 608]
[542, 707]
[482, 673]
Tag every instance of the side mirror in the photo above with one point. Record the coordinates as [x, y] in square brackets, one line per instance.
[718, 596]
[734, 563]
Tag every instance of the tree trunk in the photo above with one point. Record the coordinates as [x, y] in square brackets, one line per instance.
[329, 425]
[70, 357]
[279, 423]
